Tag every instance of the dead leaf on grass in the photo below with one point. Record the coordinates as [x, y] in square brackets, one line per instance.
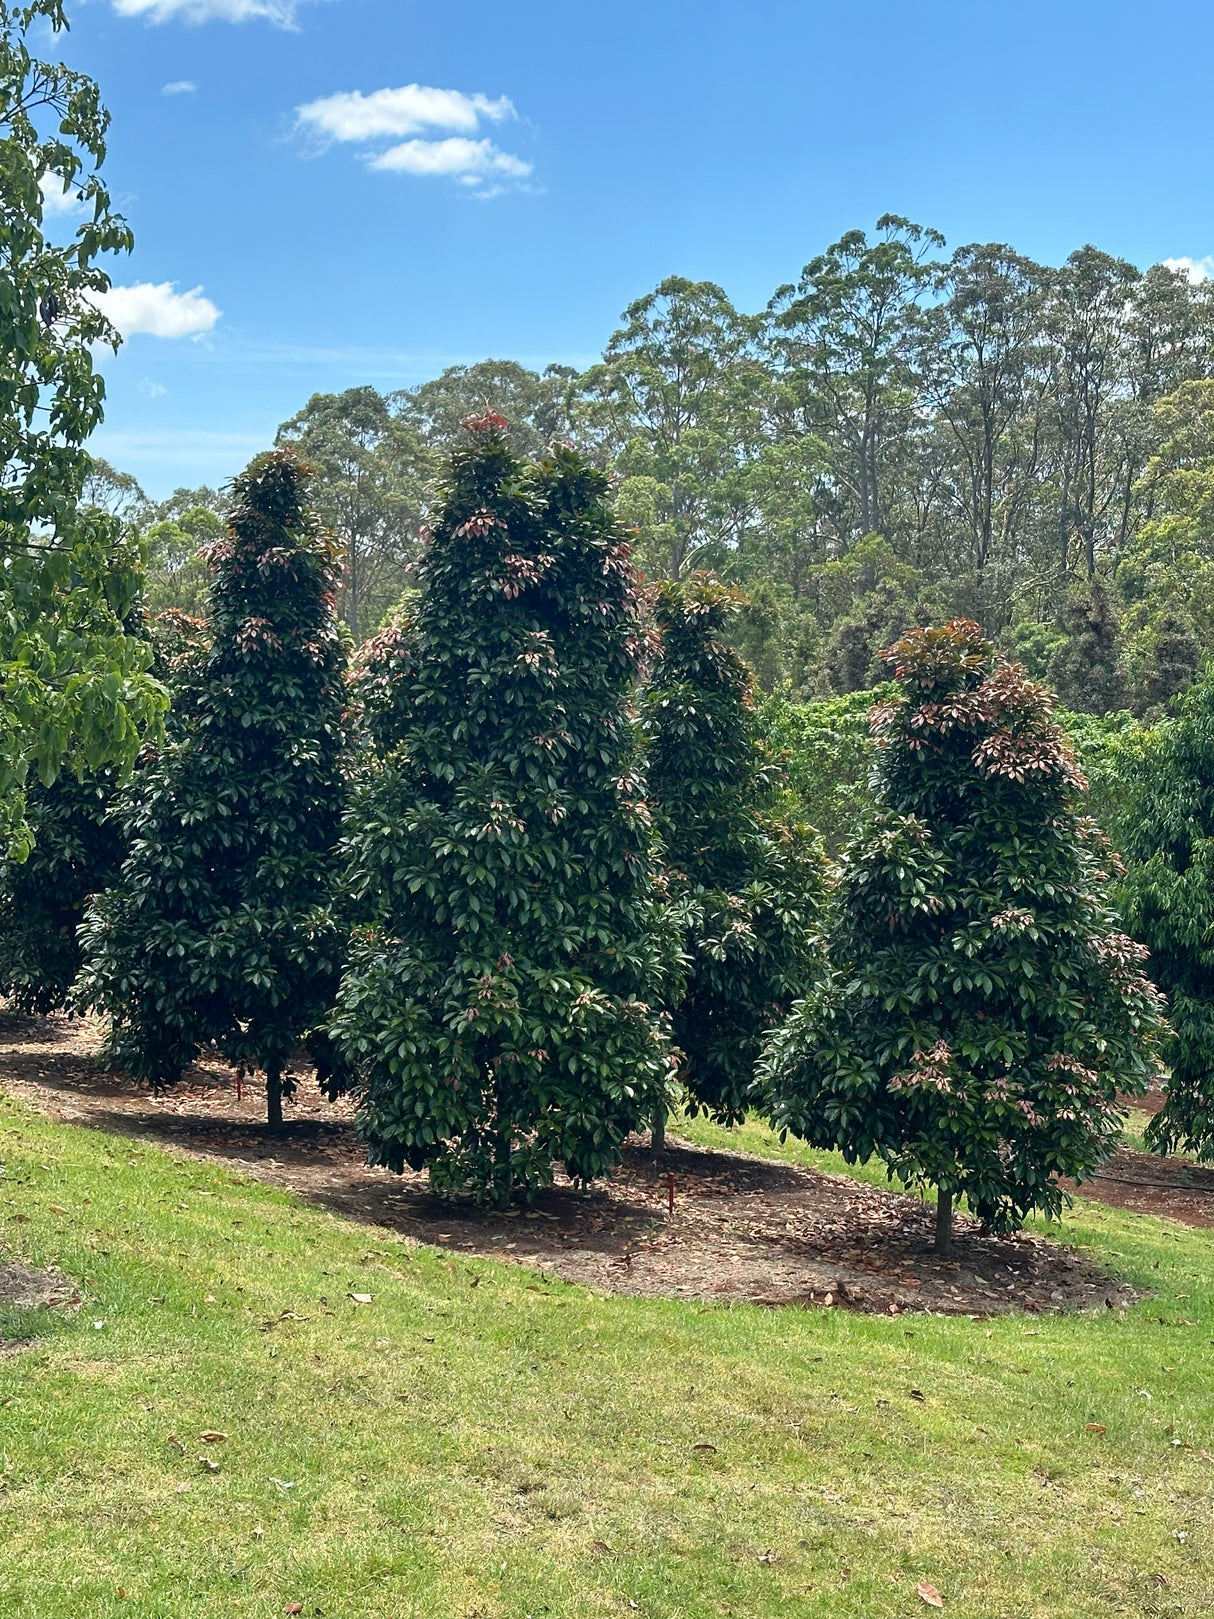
[929, 1594]
[1095, 1427]
[360, 1298]
[704, 1445]
[212, 1437]
[293, 1607]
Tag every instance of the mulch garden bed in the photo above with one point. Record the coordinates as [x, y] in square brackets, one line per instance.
[741, 1229]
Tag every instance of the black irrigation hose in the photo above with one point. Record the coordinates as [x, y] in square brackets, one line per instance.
[1166, 1186]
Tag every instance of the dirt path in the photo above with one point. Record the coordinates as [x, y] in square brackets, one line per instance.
[741, 1227]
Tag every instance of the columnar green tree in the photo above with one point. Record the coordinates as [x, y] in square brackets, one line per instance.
[1166, 832]
[74, 687]
[220, 931]
[1088, 667]
[748, 885]
[984, 1007]
[501, 1008]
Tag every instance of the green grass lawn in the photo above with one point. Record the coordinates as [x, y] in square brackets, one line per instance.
[479, 1441]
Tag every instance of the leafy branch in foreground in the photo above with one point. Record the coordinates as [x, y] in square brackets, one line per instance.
[74, 688]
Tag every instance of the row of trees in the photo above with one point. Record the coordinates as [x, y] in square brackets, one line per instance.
[547, 916]
[902, 434]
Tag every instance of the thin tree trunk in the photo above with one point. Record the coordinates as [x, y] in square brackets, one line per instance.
[944, 1222]
[657, 1138]
[274, 1100]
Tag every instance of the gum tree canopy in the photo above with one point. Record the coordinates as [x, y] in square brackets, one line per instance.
[501, 1007]
[983, 1007]
[74, 688]
[220, 929]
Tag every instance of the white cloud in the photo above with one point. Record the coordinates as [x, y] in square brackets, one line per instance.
[419, 109]
[469, 161]
[352, 116]
[158, 310]
[58, 200]
[154, 390]
[281, 12]
[1194, 270]
[179, 87]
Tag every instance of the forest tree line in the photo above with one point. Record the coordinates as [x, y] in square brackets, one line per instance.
[901, 435]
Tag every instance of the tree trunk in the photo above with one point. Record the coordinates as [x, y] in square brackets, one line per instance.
[657, 1138]
[274, 1100]
[944, 1222]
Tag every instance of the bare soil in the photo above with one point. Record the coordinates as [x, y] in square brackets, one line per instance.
[741, 1227]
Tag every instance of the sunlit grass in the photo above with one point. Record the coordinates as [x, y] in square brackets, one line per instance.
[480, 1441]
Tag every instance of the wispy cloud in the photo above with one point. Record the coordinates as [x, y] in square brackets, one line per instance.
[352, 116]
[158, 310]
[1195, 270]
[470, 161]
[179, 87]
[420, 110]
[280, 12]
[154, 390]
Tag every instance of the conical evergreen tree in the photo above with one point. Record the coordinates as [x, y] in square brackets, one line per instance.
[219, 933]
[984, 1007]
[749, 886]
[501, 1006]
[1088, 668]
[1166, 833]
[1172, 664]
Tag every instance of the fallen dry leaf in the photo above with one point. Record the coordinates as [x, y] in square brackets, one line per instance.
[360, 1298]
[929, 1594]
[704, 1445]
[208, 1465]
[293, 1607]
[1095, 1427]
[599, 1546]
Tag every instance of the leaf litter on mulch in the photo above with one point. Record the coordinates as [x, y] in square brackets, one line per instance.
[743, 1228]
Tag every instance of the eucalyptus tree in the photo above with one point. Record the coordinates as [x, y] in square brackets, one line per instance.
[678, 407]
[372, 470]
[536, 404]
[845, 339]
[986, 370]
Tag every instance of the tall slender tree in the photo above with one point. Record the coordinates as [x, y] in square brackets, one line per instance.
[749, 886]
[501, 1010]
[220, 932]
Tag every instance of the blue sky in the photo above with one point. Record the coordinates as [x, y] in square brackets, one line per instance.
[580, 153]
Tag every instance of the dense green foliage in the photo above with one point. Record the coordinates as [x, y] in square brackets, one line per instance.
[500, 1008]
[982, 1009]
[1166, 833]
[219, 931]
[747, 884]
[74, 691]
[77, 852]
